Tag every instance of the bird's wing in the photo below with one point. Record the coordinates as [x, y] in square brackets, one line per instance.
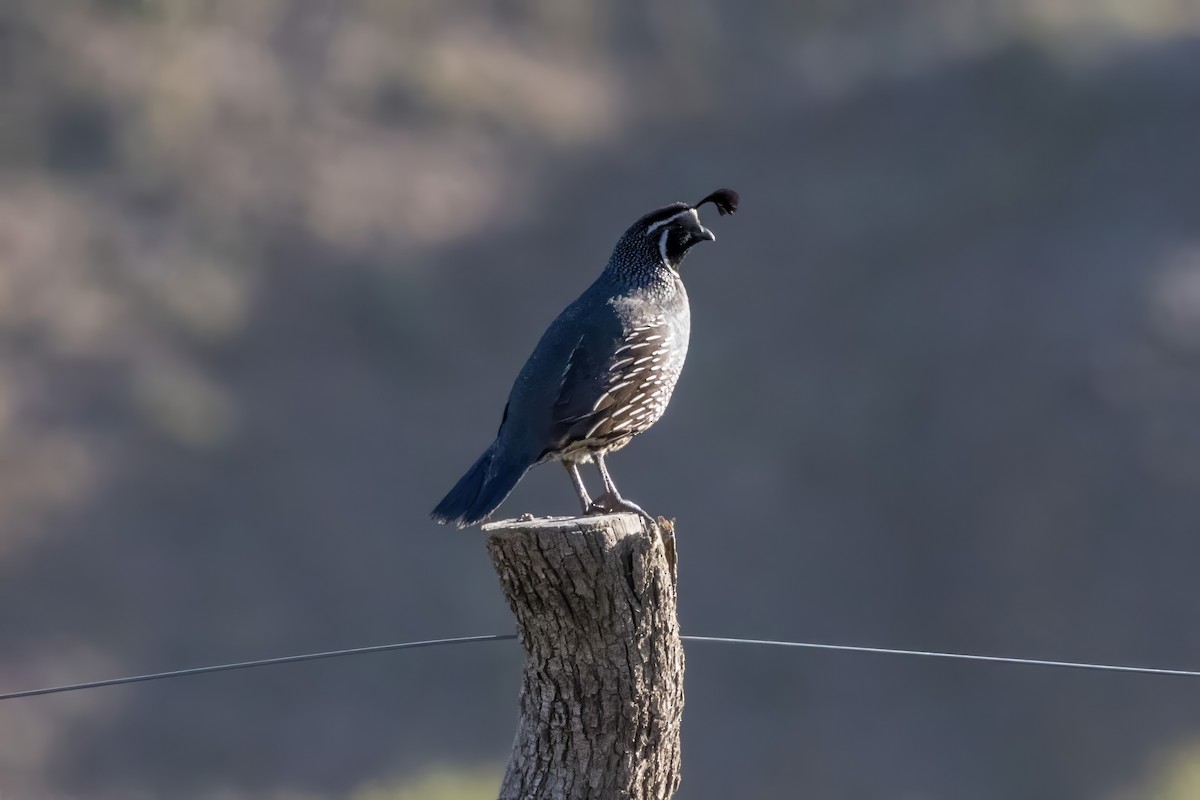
[503, 419]
[582, 383]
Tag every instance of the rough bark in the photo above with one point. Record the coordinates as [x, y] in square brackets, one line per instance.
[602, 691]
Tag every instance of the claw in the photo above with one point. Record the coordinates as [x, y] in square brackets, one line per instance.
[612, 503]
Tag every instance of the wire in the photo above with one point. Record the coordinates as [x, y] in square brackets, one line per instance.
[886, 651]
[499, 637]
[266, 662]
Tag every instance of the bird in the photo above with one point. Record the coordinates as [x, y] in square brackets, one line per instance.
[602, 373]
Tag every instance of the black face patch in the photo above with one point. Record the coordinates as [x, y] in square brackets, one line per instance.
[677, 239]
[679, 235]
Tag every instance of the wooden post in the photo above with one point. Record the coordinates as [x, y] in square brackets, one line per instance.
[602, 691]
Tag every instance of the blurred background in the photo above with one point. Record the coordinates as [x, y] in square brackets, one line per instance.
[267, 270]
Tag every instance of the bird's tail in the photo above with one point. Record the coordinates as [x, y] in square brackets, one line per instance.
[481, 490]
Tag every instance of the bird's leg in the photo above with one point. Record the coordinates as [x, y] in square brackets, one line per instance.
[577, 482]
[611, 501]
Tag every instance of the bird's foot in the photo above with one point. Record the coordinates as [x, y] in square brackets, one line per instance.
[613, 503]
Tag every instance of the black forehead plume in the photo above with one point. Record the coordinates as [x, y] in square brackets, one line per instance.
[726, 201]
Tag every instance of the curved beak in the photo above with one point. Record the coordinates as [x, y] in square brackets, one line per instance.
[705, 234]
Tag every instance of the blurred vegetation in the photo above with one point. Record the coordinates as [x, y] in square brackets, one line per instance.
[1174, 777]
[481, 783]
[267, 269]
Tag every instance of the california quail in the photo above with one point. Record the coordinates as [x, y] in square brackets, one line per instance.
[602, 373]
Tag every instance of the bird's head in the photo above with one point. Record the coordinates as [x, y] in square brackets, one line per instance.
[666, 234]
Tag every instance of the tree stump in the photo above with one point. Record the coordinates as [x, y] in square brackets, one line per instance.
[602, 690]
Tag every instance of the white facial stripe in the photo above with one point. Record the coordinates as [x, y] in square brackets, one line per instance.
[662, 245]
[662, 222]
